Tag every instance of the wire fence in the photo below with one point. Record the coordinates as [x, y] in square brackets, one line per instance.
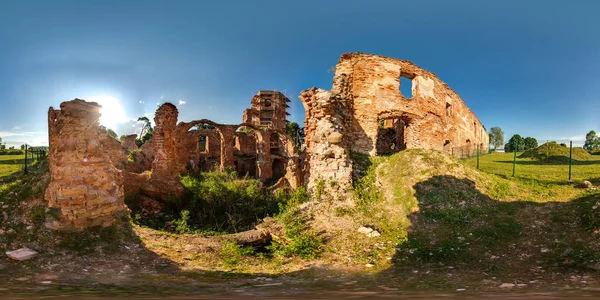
[549, 161]
[25, 157]
[468, 151]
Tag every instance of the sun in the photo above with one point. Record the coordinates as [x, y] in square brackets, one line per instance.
[112, 112]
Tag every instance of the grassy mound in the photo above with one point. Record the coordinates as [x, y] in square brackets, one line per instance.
[553, 152]
[433, 210]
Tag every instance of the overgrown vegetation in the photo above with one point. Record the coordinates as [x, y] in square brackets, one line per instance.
[365, 191]
[299, 240]
[214, 202]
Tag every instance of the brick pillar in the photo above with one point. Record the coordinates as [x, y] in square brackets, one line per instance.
[227, 133]
[84, 184]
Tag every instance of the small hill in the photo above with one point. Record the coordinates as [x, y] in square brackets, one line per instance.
[553, 152]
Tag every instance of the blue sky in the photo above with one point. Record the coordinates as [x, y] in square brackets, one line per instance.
[530, 67]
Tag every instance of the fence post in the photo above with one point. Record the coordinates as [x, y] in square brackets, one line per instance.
[25, 171]
[515, 160]
[477, 158]
[570, 158]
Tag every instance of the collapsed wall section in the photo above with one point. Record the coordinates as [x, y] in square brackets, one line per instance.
[85, 185]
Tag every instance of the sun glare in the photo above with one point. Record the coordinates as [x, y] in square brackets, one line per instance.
[112, 112]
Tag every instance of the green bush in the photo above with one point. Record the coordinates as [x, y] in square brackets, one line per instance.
[231, 252]
[221, 201]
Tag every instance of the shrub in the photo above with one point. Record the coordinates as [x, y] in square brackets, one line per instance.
[223, 202]
[231, 252]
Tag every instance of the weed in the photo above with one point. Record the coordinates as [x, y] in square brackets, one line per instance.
[319, 189]
[182, 224]
[231, 252]
[38, 214]
[299, 240]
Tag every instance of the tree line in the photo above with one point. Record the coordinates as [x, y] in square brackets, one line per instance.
[515, 143]
[592, 142]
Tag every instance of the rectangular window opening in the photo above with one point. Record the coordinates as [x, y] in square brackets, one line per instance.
[406, 85]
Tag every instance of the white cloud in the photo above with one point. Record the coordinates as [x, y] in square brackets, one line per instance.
[4, 134]
[16, 128]
[182, 102]
[141, 102]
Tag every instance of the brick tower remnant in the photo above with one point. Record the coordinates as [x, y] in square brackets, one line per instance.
[165, 167]
[85, 185]
[268, 110]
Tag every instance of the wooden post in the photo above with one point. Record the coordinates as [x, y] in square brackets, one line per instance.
[25, 171]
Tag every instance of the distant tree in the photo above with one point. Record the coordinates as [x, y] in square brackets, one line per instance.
[23, 147]
[592, 141]
[496, 137]
[11, 148]
[563, 144]
[529, 143]
[122, 137]
[202, 126]
[145, 132]
[291, 130]
[516, 143]
[111, 133]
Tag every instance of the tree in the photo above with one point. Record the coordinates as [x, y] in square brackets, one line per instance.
[563, 145]
[529, 143]
[122, 137]
[23, 147]
[496, 137]
[145, 132]
[111, 133]
[515, 143]
[592, 141]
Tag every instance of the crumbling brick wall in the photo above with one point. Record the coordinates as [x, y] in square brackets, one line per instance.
[85, 185]
[434, 115]
[328, 159]
[365, 112]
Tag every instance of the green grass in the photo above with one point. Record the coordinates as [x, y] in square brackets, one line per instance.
[11, 164]
[535, 172]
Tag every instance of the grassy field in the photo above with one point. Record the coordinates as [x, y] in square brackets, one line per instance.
[10, 164]
[502, 164]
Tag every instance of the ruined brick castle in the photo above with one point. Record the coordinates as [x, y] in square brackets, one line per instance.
[364, 112]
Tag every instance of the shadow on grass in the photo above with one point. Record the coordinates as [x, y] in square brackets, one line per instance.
[20, 161]
[541, 182]
[461, 235]
[551, 162]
